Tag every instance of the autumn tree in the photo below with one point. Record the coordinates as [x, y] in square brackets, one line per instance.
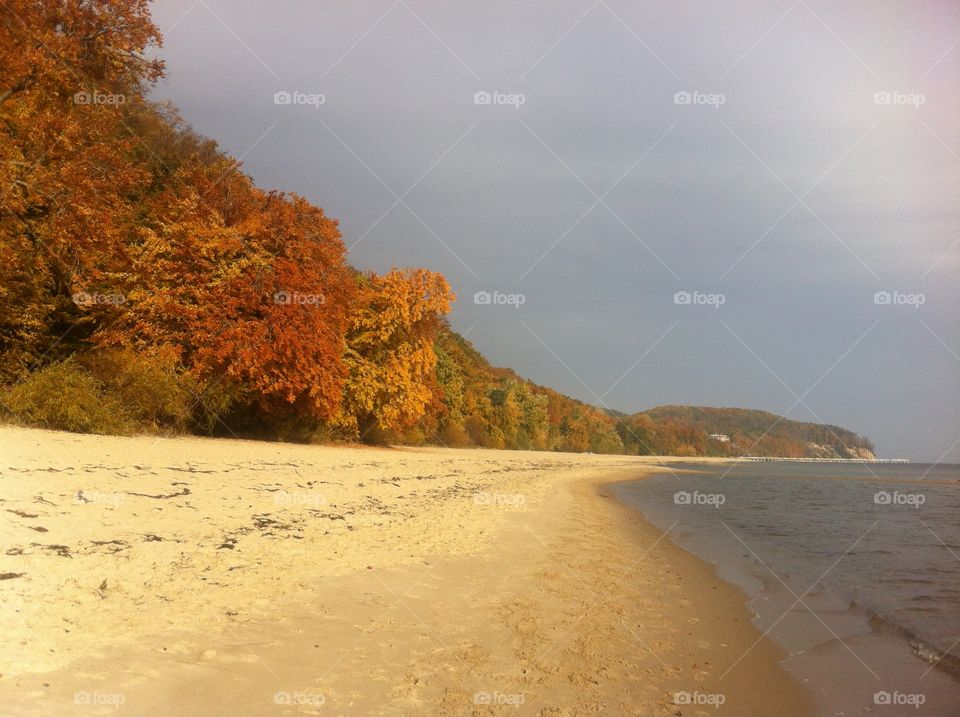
[390, 355]
[68, 72]
[638, 434]
[276, 321]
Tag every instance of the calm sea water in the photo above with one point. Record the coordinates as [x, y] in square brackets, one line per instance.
[854, 569]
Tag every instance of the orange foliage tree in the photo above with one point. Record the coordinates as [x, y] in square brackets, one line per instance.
[277, 323]
[69, 71]
[251, 287]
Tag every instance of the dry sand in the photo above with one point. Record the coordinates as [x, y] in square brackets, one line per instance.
[189, 576]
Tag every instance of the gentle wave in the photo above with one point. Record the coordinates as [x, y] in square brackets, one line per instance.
[897, 565]
[938, 657]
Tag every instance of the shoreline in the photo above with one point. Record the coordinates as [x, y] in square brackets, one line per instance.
[740, 657]
[841, 644]
[452, 581]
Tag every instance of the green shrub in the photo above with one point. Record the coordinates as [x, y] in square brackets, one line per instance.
[65, 396]
[112, 391]
[150, 387]
[455, 435]
[222, 406]
[413, 437]
[334, 433]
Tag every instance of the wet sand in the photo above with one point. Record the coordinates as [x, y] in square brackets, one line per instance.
[822, 578]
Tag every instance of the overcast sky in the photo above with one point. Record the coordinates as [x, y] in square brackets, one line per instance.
[810, 160]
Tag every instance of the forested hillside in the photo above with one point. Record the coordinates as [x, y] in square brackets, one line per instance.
[493, 407]
[761, 433]
[147, 285]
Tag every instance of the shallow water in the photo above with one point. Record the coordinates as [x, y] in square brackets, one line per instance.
[854, 569]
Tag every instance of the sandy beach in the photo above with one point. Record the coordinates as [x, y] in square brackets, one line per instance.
[191, 576]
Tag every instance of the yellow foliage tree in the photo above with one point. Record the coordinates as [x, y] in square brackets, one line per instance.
[390, 350]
